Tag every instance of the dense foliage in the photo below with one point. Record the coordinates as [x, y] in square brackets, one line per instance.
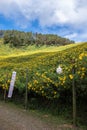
[43, 79]
[18, 38]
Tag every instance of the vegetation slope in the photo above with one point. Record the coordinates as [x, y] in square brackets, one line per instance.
[42, 65]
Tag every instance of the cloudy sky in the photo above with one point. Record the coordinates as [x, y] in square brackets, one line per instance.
[67, 18]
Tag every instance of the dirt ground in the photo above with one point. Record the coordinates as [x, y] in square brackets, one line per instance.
[15, 118]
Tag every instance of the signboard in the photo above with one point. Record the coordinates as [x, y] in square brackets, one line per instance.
[12, 84]
[59, 70]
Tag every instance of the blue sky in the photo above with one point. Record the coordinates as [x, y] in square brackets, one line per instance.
[67, 18]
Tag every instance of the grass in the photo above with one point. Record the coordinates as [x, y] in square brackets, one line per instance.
[6, 51]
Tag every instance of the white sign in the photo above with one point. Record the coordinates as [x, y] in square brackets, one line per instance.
[12, 84]
[59, 70]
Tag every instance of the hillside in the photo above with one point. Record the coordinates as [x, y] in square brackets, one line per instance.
[41, 63]
[6, 51]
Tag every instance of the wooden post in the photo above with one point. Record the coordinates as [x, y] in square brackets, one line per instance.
[74, 98]
[5, 86]
[5, 94]
[26, 90]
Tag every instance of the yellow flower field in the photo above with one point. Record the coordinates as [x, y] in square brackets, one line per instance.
[43, 79]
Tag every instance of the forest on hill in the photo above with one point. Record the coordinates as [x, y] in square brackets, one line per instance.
[19, 38]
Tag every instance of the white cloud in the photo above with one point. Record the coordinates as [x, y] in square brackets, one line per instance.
[48, 12]
[71, 36]
[78, 37]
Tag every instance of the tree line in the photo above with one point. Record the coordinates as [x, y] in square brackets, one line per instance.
[19, 38]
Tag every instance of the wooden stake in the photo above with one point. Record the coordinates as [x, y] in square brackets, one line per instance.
[5, 88]
[26, 90]
[74, 99]
[5, 94]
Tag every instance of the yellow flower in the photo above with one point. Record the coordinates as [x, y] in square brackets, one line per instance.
[63, 81]
[83, 68]
[42, 92]
[83, 74]
[78, 72]
[29, 86]
[35, 82]
[71, 76]
[55, 92]
[37, 74]
[81, 56]
[40, 88]
[64, 78]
